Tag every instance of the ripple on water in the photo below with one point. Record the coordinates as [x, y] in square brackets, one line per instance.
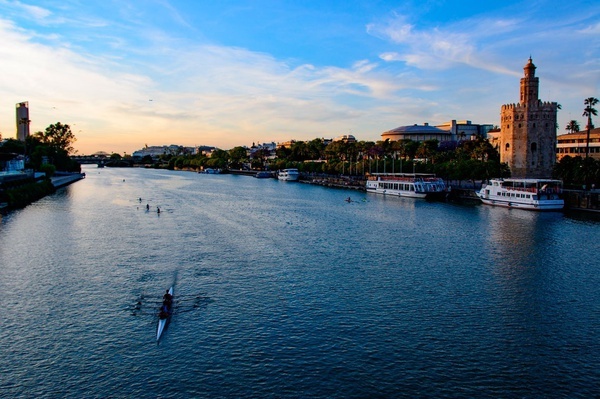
[303, 294]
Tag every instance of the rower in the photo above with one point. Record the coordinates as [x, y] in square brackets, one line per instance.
[164, 312]
[167, 298]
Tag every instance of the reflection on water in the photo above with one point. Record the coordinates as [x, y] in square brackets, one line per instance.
[303, 294]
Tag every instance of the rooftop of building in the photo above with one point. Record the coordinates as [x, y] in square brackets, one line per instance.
[416, 129]
[580, 135]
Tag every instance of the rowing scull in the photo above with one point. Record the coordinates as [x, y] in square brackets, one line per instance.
[163, 318]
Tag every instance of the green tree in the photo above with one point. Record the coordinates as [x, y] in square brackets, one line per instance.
[428, 149]
[237, 156]
[12, 146]
[573, 126]
[59, 137]
[316, 149]
[588, 111]
[300, 151]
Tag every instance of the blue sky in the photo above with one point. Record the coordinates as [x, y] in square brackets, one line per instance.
[225, 73]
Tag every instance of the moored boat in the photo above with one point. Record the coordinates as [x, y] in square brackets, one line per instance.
[288, 175]
[164, 315]
[530, 194]
[263, 174]
[413, 185]
[210, 171]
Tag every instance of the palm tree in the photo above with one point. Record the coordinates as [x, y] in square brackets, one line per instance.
[588, 111]
[573, 126]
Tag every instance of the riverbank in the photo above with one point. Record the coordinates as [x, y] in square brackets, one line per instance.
[579, 200]
[35, 188]
[64, 179]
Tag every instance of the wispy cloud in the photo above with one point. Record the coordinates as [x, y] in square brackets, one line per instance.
[199, 93]
[134, 73]
[36, 12]
[593, 29]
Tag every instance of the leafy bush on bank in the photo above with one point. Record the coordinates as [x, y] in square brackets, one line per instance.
[24, 195]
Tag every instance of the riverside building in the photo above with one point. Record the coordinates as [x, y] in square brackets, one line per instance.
[575, 144]
[527, 140]
[450, 131]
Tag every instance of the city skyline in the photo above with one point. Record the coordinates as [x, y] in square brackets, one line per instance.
[123, 75]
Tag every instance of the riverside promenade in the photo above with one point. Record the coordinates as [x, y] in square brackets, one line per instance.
[63, 180]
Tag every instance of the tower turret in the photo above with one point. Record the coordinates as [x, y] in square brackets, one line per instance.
[529, 85]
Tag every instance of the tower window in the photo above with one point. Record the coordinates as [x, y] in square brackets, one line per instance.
[507, 146]
[533, 147]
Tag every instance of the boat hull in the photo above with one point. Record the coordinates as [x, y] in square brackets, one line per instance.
[161, 327]
[162, 323]
[398, 193]
[288, 175]
[544, 206]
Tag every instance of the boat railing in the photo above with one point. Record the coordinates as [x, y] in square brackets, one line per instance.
[397, 178]
[526, 189]
[535, 190]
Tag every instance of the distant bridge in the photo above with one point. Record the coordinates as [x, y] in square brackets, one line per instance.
[90, 159]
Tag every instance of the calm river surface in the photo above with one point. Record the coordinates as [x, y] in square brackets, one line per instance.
[291, 292]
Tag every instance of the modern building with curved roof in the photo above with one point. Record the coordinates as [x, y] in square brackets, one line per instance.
[417, 133]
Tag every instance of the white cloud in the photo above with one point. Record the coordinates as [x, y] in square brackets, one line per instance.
[593, 29]
[35, 12]
[201, 94]
[424, 49]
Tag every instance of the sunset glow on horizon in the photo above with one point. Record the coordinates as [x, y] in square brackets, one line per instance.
[229, 73]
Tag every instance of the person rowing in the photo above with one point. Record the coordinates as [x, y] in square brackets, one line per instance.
[164, 312]
[167, 298]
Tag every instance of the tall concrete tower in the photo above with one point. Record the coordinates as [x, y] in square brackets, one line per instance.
[528, 131]
[23, 120]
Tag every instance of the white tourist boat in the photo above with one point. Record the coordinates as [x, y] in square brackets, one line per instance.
[288, 175]
[413, 185]
[532, 194]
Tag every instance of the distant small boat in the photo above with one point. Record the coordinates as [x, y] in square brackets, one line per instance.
[263, 175]
[210, 171]
[288, 175]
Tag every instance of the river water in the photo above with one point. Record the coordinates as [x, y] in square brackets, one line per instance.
[287, 291]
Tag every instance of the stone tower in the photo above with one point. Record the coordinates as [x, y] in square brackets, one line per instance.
[528, 131]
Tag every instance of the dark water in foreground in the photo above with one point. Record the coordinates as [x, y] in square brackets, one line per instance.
[293, 293]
